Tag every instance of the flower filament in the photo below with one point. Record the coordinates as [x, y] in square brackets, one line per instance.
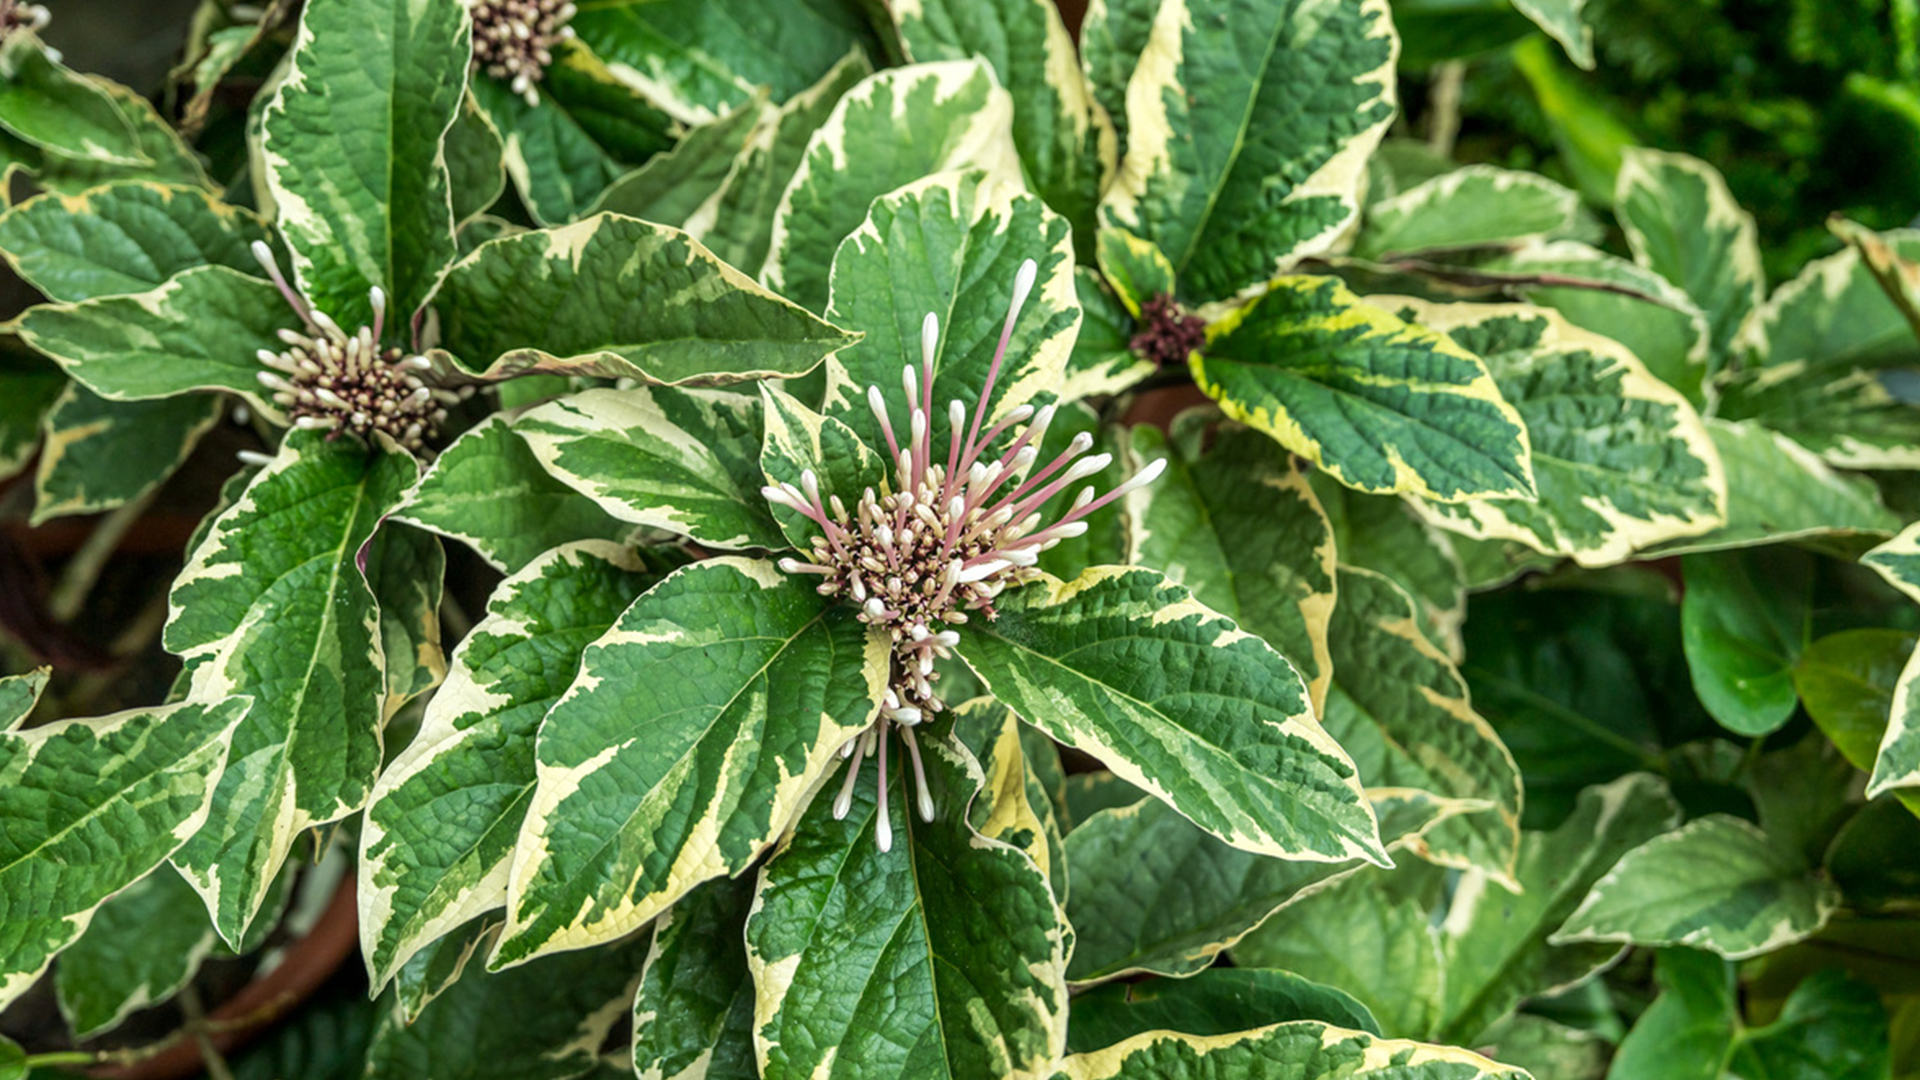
[924, 554]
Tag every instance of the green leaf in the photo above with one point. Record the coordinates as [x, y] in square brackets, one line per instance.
[93, 806]
[675, 186]
[1112, 36]
[1868, 860]
[1240, 527]
[545, 1021]
[687, 461]
[124, 238]
[1475, 206]
[950, 245]
[476, 162]
[1743, 620]
[1622, 300]
[899, 125]
[1380, 404]
[1266, 165]
[580, 136]
[34, 383]
[1562, 22]
[272, 604]
[1103, 360]
[199, 331]
[435, 968]
[1686, 1034]
[1832, 1025]
[1065, 140]
[1135, 269]
[1495, 949]
[1778, 490]
[620, 297]
[1383, 534]
[19, 694]
[1416, 731]
[1215, 1002]
[1125, 665]
[1717, 883]
[693, 1014]
[940, 958]
[699, 59]
[352, 151]
[101, 454]
[407, 570]
[13, 1060]
[141, 947]
[1683, 223]
[1546, 1047]
[1372, 934]
[1846, 682]
[166, 158]
[1620, 460]
[59, 111]
[1829, 333]
[1303, 1050]
[742, 224]
[1590, 138]
[489, 491]
[800, 442]
[424, 871]
[745, 686]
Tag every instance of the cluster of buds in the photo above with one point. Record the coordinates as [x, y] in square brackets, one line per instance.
[513, 40]
[15, 15]
[328, 379]
[923, 557]
[1168, 334]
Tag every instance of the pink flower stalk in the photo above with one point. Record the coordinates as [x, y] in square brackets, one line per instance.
[328, 379]
[953, 532]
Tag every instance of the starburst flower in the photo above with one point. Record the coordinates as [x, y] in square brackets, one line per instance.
[328, 379]
[926, 554]
[1168, 333]
[513, 40]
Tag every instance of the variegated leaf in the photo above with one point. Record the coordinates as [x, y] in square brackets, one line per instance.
[1778, 490]
[1474, 206]
[1066, 142]
[1416, 731]
[1829, 334]
[59, 111]
[694, 732]
[1016, 808]
[1153, 892]
[124, 238]
[687, 461]
[1621, 461]
[621, 297]
[1608, 295]
[34, 384]
[739, 227]
[1380, 404]
[950, 245]
[1897, 766]
[1219, 1001]
[1683, 224]
[139, 949]
[701, 58]
[1240, 526]
[942, 958]
[583, 131]
[1301, 1050]
[1717, 883]
[675, 186]
[352, 150]
[424, 872]
[165, 156]
[800, 442]
[1125, 665]
[1265, 165]
[19, 694]
[489, 491]
[546, 1021]
[693, 1013]
[272, 604]
[437, 967]
[94, 805]
[892, 129]
[100, 454]
[476, 162]
[1387, 536]
[407, 571]
[1103, 360]
[1494, 945]
[199, 331]
[1112, 37]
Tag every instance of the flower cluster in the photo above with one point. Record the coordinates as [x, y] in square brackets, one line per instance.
[15, 15]
[927, 554]
[513, 40]
[332, 380]
[1168, 333]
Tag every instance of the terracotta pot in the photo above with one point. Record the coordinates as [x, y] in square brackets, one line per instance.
[308, 963]
[1159, 406]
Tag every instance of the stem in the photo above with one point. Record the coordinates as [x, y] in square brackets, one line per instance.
[1443, 99]
[83, 570]
[190, 1003]
[61, 1057]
